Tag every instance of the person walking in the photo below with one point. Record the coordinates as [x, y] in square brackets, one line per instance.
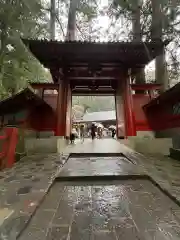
[73, 135]
[113, 133]
[82, 130]
[93, 131]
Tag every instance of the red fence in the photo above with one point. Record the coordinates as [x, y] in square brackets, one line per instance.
[9, 141]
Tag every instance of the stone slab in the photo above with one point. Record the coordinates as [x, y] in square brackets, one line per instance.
[90, 166]
[161, 168]
[122, 210]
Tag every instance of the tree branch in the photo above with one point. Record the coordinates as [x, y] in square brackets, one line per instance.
[60, 24]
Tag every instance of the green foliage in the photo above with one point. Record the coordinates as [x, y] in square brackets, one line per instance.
[19, 18]
[88, 9]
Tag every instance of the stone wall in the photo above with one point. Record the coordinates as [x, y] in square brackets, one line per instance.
[45, 145]
[149, 145]
[30, 141]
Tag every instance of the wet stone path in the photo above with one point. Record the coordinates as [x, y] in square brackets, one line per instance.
[99, 165]
[103, 209]
[122, 210]
[22, 189]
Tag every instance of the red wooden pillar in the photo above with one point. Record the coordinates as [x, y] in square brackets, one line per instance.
[130, 128]
[68, 111]
[61, 109]
[60, 128]
[119, 111]
[12, 134]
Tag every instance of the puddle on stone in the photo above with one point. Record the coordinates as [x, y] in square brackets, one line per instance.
[24, 190]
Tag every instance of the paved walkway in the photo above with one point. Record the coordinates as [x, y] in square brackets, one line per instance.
[98, 166]
[97, 146]
[123, 210]
[22, 189]
[112, 209]
[94, 209]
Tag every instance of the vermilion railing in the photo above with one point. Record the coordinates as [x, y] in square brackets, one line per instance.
[9, 141]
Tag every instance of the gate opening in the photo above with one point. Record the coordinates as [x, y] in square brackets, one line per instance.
[99, 110]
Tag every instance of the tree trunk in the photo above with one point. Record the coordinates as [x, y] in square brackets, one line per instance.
[161, 75]
[137, 37]
[136, 25]
[3, 42]
[71, 27]
[53, 20]
[156, 28]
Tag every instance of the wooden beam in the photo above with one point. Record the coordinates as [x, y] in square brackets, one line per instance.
[147, 86]
[45, 86]
[54, 86]
[91, 78]
[93, 93]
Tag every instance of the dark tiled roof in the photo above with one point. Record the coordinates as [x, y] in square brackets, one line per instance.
[171, 95]
[25, 99]
[59, 53]
[26, 41]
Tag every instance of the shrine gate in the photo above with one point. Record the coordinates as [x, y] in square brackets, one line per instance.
[90, 68]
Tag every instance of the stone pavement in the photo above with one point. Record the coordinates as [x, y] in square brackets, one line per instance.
[102, 209]
[162, 169]
[22, 188]
[124, 210]
[97, 146]
[72, 205]
[101, 165]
